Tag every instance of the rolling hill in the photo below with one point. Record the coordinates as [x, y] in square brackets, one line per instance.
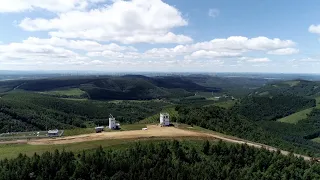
[129, 87]
[294, 87]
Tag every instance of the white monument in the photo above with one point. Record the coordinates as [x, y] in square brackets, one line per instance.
[164, 119]
[112, 122]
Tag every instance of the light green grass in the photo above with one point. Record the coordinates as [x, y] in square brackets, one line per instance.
[301, 115]
[264, 93]
[225, 104]
[135, 101]
[209, 95]
[296, 117]
[203, 130]
[131, 127]
[12, 151]
[74, 92]
[317, 102]
[292, 83]
[79, 131]
[75, 99]
[317, 140]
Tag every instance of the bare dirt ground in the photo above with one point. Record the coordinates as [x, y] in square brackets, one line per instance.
[153, 131]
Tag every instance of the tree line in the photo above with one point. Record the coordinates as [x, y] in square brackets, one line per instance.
[164, 160]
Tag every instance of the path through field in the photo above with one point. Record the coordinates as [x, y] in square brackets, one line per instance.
[153, 131]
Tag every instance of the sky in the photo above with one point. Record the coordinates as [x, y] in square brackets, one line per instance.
[160, 35]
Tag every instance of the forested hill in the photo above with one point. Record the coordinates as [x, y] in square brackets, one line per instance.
[295, 87]
[272, 107]
[289, 137]
[23, 111]
[112, 87]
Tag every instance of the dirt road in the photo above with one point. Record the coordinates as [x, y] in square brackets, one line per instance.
[153, 131]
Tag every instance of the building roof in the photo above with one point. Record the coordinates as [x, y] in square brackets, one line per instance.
[53, 131]
[164, 114]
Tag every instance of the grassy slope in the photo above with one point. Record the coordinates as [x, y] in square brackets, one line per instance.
[12, 151]
[66, 92]
[225, 104]
[298, 116]
[79, 131]
[317, 140]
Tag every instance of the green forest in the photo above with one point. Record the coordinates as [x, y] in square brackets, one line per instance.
[31, 111]
[292, 137]
[163, 160]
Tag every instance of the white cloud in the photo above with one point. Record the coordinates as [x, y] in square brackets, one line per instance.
[49, 5]
[284, 51]
[22, 54]
[308, 60]
[217, 48]
[232, 46]
[259, 60]
[135, 21]
[212, 54]
[314, 29]
[253, 59]
[213, 13]
[78, 44]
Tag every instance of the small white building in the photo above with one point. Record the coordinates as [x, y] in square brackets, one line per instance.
[112, 123]
[164, 119]
[99, 129]
[53, 133]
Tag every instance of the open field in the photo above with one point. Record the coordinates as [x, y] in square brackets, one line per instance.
[225, 104]
[89, 141]
[12, 150]
[317, 140]
[296, 117]
[292, 83]
[72, 92]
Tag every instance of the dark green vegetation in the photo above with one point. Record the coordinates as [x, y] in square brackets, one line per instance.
[134, 87]
[295, 87]
[257, 122]
[70, 102]
[232, 85]
[272, 108]
[122, 88]
[23, 111]
[68, 93]
[173, 160]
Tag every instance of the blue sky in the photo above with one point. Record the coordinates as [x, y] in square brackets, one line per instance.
[154, 35]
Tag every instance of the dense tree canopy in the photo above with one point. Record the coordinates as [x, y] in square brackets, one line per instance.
[173, 160]
[285, 136]
[272, 107]
[33, 111]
